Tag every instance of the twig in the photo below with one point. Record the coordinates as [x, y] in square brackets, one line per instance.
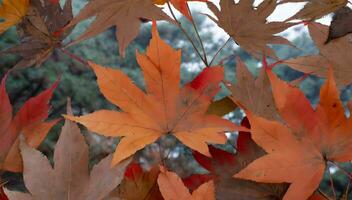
[219, 50]
[163, 158]
[198, 35]
[74, 56]
[185, 33]
[332, 184]
[324, 195]
[348, 188]
[342, 169]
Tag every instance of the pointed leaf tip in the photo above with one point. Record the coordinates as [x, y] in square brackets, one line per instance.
[69, 106]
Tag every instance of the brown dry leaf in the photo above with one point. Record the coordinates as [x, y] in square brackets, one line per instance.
[41, 32]
[315, 9]
[12, 12]
[249, 27]
[126, 15]
[165, 107]
[253, 93]
[341, 24]
[336, 53]
[70, 176]
[172, 188]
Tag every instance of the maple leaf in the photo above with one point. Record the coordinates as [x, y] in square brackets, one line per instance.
[12, 12]
[138, 184]
[126, 15]
[317, 196]
[172, 187]
[248, 26]
[41, 32]
[165, 109]
[253, 94]
[223, 165]
[180, 5]
[3, 196]
[298, 151]
[28, 121]
[341, 23]
[222, 107]
[314, 9]
[335, 54]
[70, 176]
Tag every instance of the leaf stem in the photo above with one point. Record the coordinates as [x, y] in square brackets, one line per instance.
[348, 188]
[185, 33]
[342, 170]
[219, 50]
[198, 35]
[74, 56]
[324, 195]
[332, 184]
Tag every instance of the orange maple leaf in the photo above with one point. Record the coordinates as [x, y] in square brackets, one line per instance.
[28, 121]
[12, 12]
[172, 187]
[165, 109]
[299, 150]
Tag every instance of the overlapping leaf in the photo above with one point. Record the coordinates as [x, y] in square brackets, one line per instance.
[172, 187]
[299, 150]
[253, 93]
[222, 107]
[12, 12]
[248, 26]
[3, 196]
[29, 121]
[126, 15]
[341, 24]
[335, 54]
[138, 184]
[315, 9]
[41, 31]
[70, 177]
[180, 5]
[165, 109]
[223, 165]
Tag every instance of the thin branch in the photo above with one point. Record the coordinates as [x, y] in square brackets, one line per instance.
[324, 195]
[348, 188]
[186, 34]
[219, 50]
[332, 184]
[163, 158]
[198, 35]
[74, 56]
[342, 170]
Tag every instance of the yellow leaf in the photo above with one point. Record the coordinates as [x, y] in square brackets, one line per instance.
[12, 11]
